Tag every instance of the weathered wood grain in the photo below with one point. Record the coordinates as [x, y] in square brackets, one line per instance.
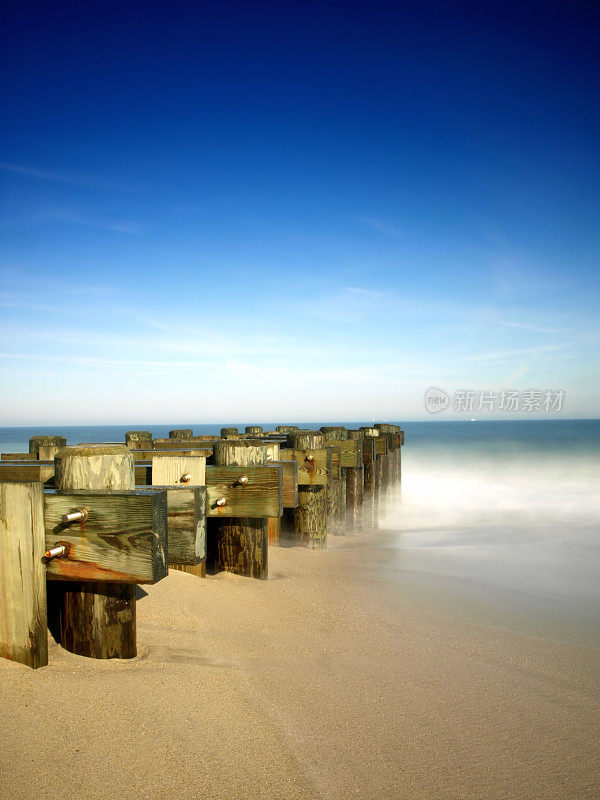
[286, 428]
[98, 618]
[25, 471]
[229, 433]
[290, 482]
[350, 451]
[138, 440]
[181, 433]
[173, 469]
[272, 450]
[47, 452]
[186, 524]
[37, 441]
[253, 430]
[18, 457]
[354, 498]
[23, 627]
[315, 467]
[310, 518]
[261, 496]
[238, 543]
[336, 461]
[123, 540]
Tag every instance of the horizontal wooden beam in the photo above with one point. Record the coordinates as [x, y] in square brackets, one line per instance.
[123, 539]
[18, 457]
[290, 483]
[26, 471]
[186, 524]
[174, 469]
[260, 496]
[315, 467]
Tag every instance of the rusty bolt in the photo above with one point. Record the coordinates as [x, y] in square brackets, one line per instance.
[222, 501]
[186, 477]
[74, 516]
[58, 551]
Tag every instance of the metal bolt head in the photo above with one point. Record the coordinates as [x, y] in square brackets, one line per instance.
[243, 479]
[222, 501]
[185, 478]
[80, 515]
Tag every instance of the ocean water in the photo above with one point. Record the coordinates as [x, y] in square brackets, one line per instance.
[503, 519]
[500, 519]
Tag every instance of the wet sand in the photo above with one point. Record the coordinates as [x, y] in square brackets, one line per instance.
[341, 677]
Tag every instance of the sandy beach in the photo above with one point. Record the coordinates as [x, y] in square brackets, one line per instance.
[334, 679]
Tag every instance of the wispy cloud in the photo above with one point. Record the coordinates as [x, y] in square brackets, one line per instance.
[378, 225]
[501, 354]
[526, 326]
[71, 178]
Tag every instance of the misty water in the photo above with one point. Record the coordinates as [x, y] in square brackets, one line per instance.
[503, 519]
[499, 520]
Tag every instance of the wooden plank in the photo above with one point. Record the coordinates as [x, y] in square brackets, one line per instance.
[315, 472]
[173, 469]
[368, 451]
[336, 461]
[261, 496]
[143, 474]
[124, 538]
[186, 524]
[350, 451]
[18, 457]
[290, 483]
[182, 445]
[26, 471]
[23, 625]
[380, 445]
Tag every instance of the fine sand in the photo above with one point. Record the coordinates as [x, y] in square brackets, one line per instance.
[334, 679]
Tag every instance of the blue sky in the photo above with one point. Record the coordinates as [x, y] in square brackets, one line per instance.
[296, 211]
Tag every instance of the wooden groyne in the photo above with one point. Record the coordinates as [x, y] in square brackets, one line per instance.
[81, 526]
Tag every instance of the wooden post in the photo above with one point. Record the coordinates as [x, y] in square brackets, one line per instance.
[272, 450]
[285, 429]
[370, 502]
[392, 461]
[229, 433]
[180, 434]
[47, 452]
[45, 441]
[309, 518]
[336, 490]
[138, 440]
[238, 544]
[254, 430]
[378, 474]
[94, 619]
[23, 628]
[355, 479]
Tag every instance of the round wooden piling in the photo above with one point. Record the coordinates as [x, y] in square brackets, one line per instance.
[229, 433]
[138, 440]
[96, 619]
[238, 545]
[308, 520]
[45, 441]
[253, 430]
[286, 428]
[355, 478]
[336, 489]
[181, 434]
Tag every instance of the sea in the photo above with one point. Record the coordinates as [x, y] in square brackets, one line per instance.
[498, 520]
